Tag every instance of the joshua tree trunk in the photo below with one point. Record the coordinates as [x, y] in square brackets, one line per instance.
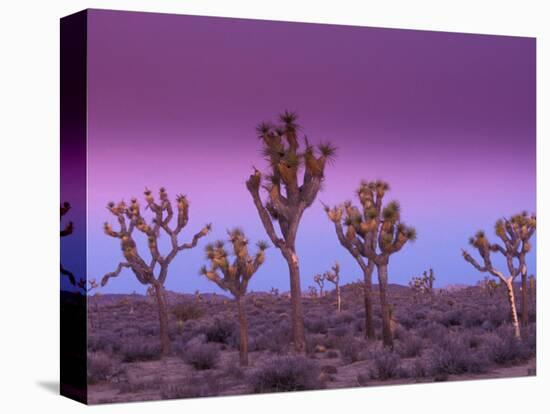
[384, 305]
[243, 333]
[513, 311]
[524, 298]
[163, 319]
[367, 276]
[338, 298]
[297, 317]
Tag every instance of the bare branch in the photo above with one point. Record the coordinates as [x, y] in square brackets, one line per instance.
[110, 275]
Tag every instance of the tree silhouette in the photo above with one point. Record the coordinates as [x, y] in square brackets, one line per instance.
[66, 231]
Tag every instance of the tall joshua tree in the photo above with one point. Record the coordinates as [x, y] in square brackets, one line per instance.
[287, 198]
[373, 233]
[235, 275]
[515, 234]
[333, 276]
[154, 272]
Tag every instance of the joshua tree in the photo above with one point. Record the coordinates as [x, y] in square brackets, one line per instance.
[320, 280]
[154, 273]
[334, 277]
[274, 291]
[235, 275]
[423, 284]
[373, 234]
[67, 230]
[287, 199]
[488, 285]
[312, 292]
[514, 234]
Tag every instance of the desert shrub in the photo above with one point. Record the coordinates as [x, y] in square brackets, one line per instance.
[410, 346]
[100, 367]
[451, 318]
[314, 343]
[432, 331]
[316, 325]
[385, 365]
[139, 350]
[206, 386]
[221, 331]
[453, 355]
[473, 318]
[187, 311]
[340, 318]
[408, 321]
[139, 385]
[339, 331]
[278, 337]
[419, 369]
[530, 338]
[287, 373]
[149, 329]
[351, 350]
[329, 369]
[504, 348]
[202, 356]
[234, 371]
[105, 342]
[363, 379]
[332, 354]
[498, 315]
[487, 325]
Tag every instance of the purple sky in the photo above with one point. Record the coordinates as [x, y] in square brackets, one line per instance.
[447, 119]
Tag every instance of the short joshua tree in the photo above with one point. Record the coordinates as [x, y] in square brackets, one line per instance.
[424, 284]
[488, 285]
[312, 292]
[373, 233]
[333, 276]
[287, 198]
[234, 275]
[154, 273]
[319, 279]
[514, 234]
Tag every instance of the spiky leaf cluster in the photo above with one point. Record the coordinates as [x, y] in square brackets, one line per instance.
[333, 275]
[232, 271]
[423, 284]
[372, 230]
[294, 177]
[130, 219]
[515, 234]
